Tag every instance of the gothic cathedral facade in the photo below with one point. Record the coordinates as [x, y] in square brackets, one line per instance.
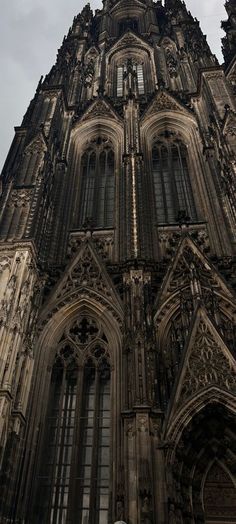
[118, 278]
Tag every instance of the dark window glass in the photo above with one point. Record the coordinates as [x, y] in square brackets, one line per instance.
[126, 24]
[57, 456]
[97, 188]
[80, 430]
[122, 72]
[173, 192]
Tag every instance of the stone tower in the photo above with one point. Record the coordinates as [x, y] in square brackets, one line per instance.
[118, 278]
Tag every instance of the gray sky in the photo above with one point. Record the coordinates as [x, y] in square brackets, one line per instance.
[31, 31]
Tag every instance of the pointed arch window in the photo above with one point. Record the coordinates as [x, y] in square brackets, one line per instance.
[219, 496]
[172, 186]
[73, 482]
[128, 24]
[97, 186]
[137, 71]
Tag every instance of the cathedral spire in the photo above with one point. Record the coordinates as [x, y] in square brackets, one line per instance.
[229, 26]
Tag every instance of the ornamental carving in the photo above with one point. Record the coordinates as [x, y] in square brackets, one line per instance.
[83, 331]
[5, 263]
[20, 198]
[85, 273]
[207, 365]
[83, 339]
[37, 145]
[172, 63]
[169, 238]
[165, 102]
[98, 110]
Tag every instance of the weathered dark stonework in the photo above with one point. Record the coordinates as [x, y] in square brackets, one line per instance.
[118, 269]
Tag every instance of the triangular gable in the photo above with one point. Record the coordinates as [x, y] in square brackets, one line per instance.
[127, 40]
[163, 101]
[206, 362]
[229, 126]
[85, 273]
[92, 51]
[179, 270]
[37, 144]
[99, 109]
[166, 41]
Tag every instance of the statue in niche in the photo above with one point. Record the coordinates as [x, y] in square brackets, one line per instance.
[120, 510]
[172, 63]
[172, 517]
[146, 513]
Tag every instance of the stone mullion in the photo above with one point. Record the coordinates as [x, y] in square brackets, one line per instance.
[75, 485]
[94, 462]
[53, 477]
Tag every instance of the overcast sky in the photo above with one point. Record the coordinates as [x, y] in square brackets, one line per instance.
[31, 32]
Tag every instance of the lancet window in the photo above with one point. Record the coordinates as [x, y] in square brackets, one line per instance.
[74, 476]
[172, 187]
[130, 75]
[97, 185]
[126, 24]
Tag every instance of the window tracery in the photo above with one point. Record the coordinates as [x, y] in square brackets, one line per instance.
[219, 495]
[172, 186]
[130, 76]
[97, 184]
[75, 471]
[128, 23]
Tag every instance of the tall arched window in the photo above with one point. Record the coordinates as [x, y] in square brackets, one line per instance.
[128, 24]
[97, 185]
[173, 191]
[131, 74]
[73, 481]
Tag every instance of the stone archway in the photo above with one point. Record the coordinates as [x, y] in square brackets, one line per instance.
[208, 440]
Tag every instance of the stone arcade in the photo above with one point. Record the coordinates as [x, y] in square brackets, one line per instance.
[118, 278]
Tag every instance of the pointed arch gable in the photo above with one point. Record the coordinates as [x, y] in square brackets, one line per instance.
[83, 304]
[165, 113]
[84, 276]
[132, 41]
[37, 143]
[99, 109]
[170, 283]
[214, 382]
[177, 284]
[174, 426]
[207, 436]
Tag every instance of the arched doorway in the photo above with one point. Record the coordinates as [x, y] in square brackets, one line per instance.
[203, 489]
[219, 496]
